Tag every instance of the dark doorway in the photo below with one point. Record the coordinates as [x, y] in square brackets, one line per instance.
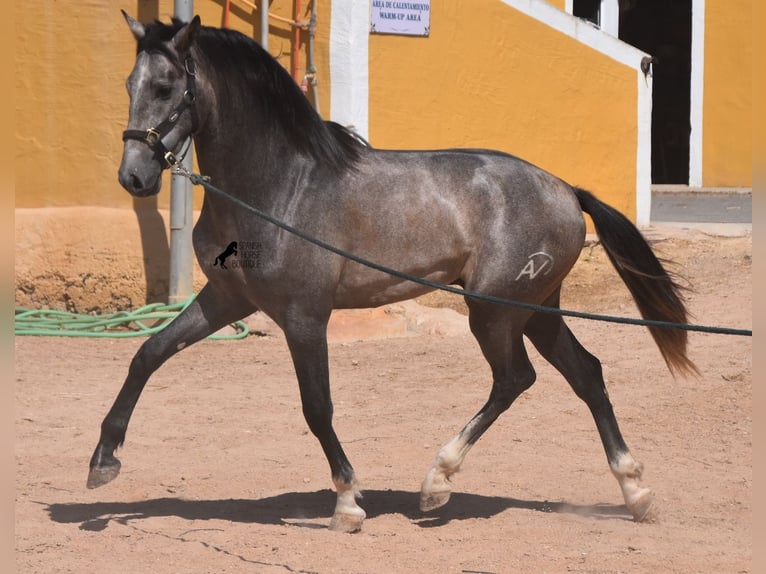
[663, 29]
[588, 10]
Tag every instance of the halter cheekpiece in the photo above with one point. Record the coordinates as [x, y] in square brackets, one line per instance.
[153, 136]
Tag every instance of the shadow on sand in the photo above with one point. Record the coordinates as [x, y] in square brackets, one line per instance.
[292, 506]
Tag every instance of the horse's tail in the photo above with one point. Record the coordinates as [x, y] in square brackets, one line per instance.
[657, 295]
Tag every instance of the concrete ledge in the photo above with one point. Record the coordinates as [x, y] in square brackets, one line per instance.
[675, 188]
[92, 259]
[714, 229]
[405, 319]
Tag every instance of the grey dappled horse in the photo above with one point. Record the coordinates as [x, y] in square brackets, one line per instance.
[481, 219]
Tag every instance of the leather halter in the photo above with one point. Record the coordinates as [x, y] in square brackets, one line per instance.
[153, 136]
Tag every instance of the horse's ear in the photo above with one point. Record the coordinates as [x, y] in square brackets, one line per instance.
[135, 26]
[185, 36]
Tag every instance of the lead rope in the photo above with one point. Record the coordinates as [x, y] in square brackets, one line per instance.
[204, 181]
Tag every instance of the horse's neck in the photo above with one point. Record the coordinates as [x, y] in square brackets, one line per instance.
[248, 166]
[232, 149]
[237, 150]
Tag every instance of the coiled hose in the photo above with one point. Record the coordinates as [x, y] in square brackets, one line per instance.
[140, 322]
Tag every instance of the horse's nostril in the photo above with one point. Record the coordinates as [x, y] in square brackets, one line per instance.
[129, 181]
[138, 181]
[135, 182]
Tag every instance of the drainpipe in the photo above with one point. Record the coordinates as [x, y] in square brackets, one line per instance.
[181, 203]
[226, 10]
[295, 58]
[311, 70]
[265, 24]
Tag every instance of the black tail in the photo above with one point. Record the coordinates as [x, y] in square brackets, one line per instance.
[657, 295]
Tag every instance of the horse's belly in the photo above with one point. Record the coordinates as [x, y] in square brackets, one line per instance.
[362, 287]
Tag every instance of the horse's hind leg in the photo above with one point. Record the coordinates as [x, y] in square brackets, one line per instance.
[209, 312]
[499, 333]
[558, 345]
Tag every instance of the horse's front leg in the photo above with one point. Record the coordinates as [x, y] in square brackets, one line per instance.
[307, 341]
[210, 311]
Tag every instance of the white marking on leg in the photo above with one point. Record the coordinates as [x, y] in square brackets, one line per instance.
[638, 499]
[348, 515]
[181, 345]
[436, 488]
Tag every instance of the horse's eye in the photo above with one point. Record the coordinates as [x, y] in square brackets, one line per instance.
[164, 92]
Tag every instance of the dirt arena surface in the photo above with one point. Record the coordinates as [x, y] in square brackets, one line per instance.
[220, 473]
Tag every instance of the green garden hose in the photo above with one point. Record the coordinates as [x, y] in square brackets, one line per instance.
[140, 322]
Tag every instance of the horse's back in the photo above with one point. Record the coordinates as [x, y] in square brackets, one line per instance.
[489, 195]
[480, 218]
[477, 177]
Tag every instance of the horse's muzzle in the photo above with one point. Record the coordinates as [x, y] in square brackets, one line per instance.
[137, 186]
[139, 174]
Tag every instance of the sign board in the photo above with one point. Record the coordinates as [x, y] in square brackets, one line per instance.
[408, 18]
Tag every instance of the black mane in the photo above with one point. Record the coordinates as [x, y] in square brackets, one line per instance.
[250, 75]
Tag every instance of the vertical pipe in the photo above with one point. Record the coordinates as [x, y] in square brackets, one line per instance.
[265, 24]
[310, 66]
[181, 204]
[295, 60]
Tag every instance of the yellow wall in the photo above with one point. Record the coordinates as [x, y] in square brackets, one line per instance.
[72, 106]
[489, 76]
[727, 101]
[560, 4]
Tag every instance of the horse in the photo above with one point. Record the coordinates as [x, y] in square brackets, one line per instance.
[482, 220]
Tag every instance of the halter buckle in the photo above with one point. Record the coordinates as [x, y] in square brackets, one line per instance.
[152, 137]
[171, 159]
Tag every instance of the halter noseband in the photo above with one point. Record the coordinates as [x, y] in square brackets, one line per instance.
[153, 136]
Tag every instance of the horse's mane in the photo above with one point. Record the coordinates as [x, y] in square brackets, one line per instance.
[251, 76]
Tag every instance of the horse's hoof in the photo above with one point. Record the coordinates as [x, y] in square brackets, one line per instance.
[349, 523]
[643, 508]
[101, 475]
[433, 500]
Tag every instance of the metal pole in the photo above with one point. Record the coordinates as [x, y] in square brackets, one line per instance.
[265, 24]
[312, 70]
[181, 286]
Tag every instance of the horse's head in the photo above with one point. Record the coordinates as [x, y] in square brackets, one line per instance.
[162, 110]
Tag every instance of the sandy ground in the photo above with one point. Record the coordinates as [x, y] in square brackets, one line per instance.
[221, 475]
